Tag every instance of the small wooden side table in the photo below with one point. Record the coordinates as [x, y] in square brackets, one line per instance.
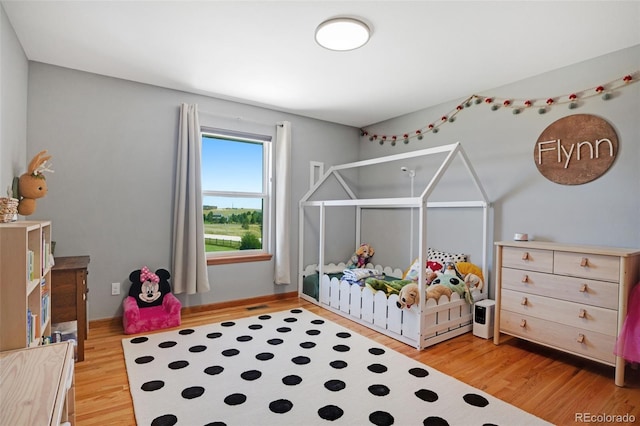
[69, 294]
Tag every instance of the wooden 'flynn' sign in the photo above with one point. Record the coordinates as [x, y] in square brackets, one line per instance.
[576, 149]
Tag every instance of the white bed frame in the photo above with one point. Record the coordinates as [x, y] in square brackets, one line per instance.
[427, 323]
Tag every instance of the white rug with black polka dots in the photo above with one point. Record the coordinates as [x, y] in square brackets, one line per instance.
[295, 368]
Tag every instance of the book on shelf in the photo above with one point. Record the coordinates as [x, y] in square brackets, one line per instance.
[30, 265]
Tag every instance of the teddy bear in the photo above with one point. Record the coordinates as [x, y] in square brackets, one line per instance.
[361, 257]
[32, 184]
[148, 288]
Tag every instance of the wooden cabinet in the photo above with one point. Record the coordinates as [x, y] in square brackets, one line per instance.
[38, 386]
[25, 283]
[568, 297]
[69, 289]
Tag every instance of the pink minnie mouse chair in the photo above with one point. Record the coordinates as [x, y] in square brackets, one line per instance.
[150, 304]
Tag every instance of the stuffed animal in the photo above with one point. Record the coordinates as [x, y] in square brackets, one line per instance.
[455, 284]
[472, 275]
[148, 288]
[32, 184]
[361, 257]
[409, 295]
[435, 291]
[388, 287]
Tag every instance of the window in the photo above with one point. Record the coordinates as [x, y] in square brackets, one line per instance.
[236, 193]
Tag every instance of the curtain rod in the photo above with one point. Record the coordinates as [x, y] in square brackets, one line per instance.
[237, 118]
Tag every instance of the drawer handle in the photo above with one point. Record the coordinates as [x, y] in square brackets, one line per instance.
[525, 278]
[582, 314]
[524, 301]
[584, 288]
[523, 323]
[584, 262]
[525, 255]
[580, 338]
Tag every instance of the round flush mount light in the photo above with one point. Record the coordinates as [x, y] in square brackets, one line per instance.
[342, 34]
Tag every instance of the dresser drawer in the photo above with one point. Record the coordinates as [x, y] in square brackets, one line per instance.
[579, 341]
[593, 266]
[529, 259]
[559, 311]
[580, 290]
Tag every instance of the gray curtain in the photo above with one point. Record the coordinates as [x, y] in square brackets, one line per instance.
[189, 259]
[282, 255]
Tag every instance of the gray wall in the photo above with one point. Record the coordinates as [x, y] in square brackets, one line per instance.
[113, 145]
[13, 105]
[500, 144]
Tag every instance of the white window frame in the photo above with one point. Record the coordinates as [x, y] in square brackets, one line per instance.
[267, 188]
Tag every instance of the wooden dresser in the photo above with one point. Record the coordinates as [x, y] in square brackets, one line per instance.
[568, 297]
[69, 294]
[37, 386]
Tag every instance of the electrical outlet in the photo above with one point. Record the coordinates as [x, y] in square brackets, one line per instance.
[115, 289]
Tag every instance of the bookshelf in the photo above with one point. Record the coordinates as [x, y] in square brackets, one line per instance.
[25, 283]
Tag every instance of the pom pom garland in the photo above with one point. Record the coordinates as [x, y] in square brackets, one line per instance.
[517, 106]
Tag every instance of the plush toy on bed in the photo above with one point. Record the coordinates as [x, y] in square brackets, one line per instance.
[361, 257]
[409, 296]
[455, 284]
[472, 275]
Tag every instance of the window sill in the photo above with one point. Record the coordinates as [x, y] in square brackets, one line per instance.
[224, 260]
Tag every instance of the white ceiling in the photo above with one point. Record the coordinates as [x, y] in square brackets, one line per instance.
[421, 53]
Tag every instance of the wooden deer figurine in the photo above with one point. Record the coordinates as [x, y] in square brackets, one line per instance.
[33, 184]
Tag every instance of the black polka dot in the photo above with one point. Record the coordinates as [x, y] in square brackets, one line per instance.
[230, 352]
[177, 365]
[475, 400]
[235, 399]
[264, 356]
[317, 321]
[343, 335]
[283, 329]
[152, 385]
[313, 332]
[330, 412]
[335, 385]
[341, 348]
[381, 418]
[301, 360]
[435, 421]
[338, 364]
[144, 359]
[377, 368]
[186, 331]
[255, 327]
[275, 341]
[141, 339]
[307, 345]
[290, 319]
[197, 348]
[165, 420]
[281, 406]
[264, 317]
[419, 372]
[214, 370]
[192, 392]
[379, 390]
[251, 375]
[376, 351]
[427, 395]
[167, 344]
[214, 335]
[216, 424]
[244, 338]
[296, 311]
[227, 324]
[292, 380]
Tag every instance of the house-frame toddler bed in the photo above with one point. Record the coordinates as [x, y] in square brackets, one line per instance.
[426, 323]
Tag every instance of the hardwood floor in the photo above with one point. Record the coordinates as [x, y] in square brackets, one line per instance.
[559, 388]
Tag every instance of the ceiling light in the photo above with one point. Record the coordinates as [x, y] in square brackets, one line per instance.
[342, 34]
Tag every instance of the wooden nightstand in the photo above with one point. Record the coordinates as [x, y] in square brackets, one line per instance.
[69, 294]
